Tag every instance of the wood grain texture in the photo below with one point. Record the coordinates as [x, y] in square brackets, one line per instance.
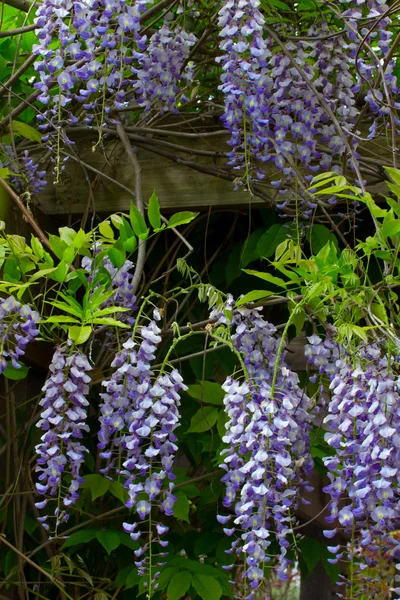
[177, 186]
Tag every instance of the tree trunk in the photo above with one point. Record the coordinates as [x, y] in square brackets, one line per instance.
[317, 585]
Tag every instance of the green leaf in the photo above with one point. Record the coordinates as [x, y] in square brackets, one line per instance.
[208, 391]
[117, 254]
[68, 235]
[298, 318]
[5, 173]
[59, 274]
[37, 247]
[106, 230]
[97, 484]
[181, 218]
[60, 319]
[203, 420]
[153, 211]
[254, 296]
[166, 576]
[118, 490]
[15, 374]
[318, 236]
[26, 131]
[57, 245]
[110, 540]
[80, 537]
[222, 419]
[207, 587]
[271, 239]
[179, 585]
[249, 251]
[79, 335]
[394, 174]
[110, 322]
[181, 507]
[391, 228]
[267, 277]
[310, 551]
[138, 223]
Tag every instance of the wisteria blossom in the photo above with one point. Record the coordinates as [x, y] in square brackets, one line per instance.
[63, 422]
[18, 327]
[267, 442]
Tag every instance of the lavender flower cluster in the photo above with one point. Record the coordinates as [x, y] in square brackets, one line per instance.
[139, 414]
[18, 327]
[92, 54]
[63, 421]
[162, 69]
[27, 173]
[272, 113]
[267, 453]
[364, 430]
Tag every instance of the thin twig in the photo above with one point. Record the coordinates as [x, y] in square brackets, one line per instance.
[28, 216]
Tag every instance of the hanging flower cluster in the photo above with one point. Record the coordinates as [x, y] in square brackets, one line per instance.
[95, 40]
[364, 430]
[267, 454]
[271, 110]
[18, 327]
[139, 414]
[28, 177]
[162, 69]
[63, 421]
[323, 354]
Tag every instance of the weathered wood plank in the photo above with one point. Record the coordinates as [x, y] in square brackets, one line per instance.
[178, 186]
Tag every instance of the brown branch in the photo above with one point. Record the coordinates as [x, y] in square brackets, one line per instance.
[17, 30]
[28, 216]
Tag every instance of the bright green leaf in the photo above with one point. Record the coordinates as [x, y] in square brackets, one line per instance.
[106, 230]
[254, 296]
[138, 223]
[271, 239]
[117, 254]
[181, 218]
[153, 211]
[79, 335]
[267, 277]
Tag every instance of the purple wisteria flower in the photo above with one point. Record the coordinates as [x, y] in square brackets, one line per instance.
[139, 413]
[63, 421]
[28, 176]
[18, 327]
[161, 69]
[267, 442]
[363, 429]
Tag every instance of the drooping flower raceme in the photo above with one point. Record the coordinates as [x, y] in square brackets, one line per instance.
[267, 446]
[18, 327]
[364, 431]
[161, 69]
[63, 421]
[139, 414]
